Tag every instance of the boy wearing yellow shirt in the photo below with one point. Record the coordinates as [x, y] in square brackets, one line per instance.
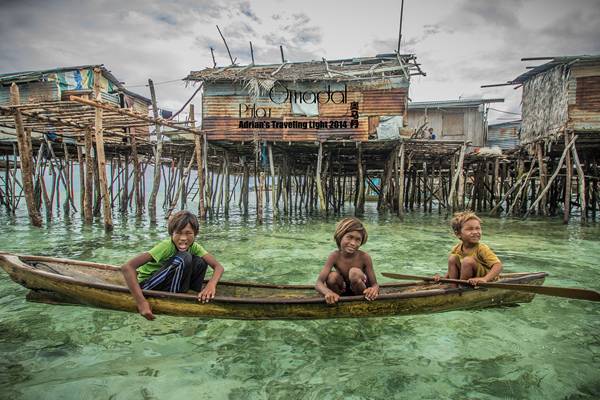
[471, 260]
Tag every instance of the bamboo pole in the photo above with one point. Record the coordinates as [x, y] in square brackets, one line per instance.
[360, 202]
[275, 195]
[25, 153]
[554, 175]
[522, 186]
[400, 178]
[139, 204]
[452, 204]
[89, 178]
[322, 203]
[108, 225]
[157, 165]
[200, 165]
[568, 180]
[180, 187]
[581, 184]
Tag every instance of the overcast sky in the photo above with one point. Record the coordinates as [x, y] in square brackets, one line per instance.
[462, 44]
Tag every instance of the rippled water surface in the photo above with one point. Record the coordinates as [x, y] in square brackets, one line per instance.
[547, 349]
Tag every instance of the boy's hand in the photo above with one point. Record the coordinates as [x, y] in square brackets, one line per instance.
[332, 297]
[371, 293]
[145, 310]
[436, 278]
[476, 281]
[208, 293]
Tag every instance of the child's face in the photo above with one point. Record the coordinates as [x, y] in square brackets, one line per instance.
[470, 232]
[350, 242]
[184, 238]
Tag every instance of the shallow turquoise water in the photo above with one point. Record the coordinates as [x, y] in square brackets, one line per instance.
[547, 349]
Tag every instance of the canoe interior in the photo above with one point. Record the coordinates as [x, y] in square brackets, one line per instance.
[94, 273]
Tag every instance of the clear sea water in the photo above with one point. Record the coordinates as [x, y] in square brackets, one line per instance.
[547, 349]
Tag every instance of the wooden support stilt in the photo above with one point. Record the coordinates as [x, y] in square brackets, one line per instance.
[108, 225]
[181, 185]
[25, 155]
[400, 179]
[521, 187]
[453, 202]
[159, 146]
[554, 175]
[89, 178]
[568, 182]
[124, 202]
[581, 185]
[360, 199]
[137, 177]
[200, 164]
[322, 203]
[227, 178]
[273, 185]
[81, 179]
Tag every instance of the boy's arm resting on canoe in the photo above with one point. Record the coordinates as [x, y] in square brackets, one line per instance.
[210, 289]
[490, 276]
[321, 285]
[372, 291]
[129, 272]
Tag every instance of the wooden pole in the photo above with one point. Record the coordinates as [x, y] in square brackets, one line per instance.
[452, 203]
[227, 47]
[273, 185]
[200, 165]
[108, 225]
[157, 165]
[568, 179]
[360, 200]
[25, 155]
[401, 182]
[318, 178]
[181, 185]
[137, 177]
[581, 184]
[81, 178]
[89, 178]
[554, 175]
[227, 185]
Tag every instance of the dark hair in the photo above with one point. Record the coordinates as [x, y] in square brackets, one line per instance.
[460, 218]
[180, 219]
[348, 225]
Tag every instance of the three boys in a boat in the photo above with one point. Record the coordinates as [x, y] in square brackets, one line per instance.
[178, 264]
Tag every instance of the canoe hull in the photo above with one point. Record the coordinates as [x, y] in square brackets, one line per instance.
[117, 297]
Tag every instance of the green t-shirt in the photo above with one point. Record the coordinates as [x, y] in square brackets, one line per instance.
[161, 253]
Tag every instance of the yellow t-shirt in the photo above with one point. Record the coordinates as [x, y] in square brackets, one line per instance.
[484, 256]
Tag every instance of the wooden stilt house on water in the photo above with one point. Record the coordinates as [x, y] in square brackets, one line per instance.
[52, 119]
[324, 128]
[560, 132]
[463, 120]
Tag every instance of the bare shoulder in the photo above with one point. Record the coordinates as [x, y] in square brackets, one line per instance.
[364, 256]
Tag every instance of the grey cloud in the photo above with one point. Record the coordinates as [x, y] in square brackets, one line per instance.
[246, 10]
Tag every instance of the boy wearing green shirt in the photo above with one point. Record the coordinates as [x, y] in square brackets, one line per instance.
[176, 264]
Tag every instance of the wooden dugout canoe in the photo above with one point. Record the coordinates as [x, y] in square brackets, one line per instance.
[56, 281]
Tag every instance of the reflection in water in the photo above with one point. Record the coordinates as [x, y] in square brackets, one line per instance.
[549, 348]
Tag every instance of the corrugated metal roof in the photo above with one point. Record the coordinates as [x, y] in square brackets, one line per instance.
[553, 63]
[504, 134]
[452, 103]
[39, 75]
